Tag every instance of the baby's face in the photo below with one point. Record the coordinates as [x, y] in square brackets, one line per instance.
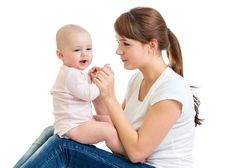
[77, 50]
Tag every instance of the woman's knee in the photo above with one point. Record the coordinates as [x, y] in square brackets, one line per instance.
[49, 130]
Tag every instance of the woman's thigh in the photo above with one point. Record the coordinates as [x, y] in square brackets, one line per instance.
[60, 152]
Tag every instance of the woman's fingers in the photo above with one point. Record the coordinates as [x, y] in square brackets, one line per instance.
[104, 79]
[101, 76]
[107, 69]
[104, 73]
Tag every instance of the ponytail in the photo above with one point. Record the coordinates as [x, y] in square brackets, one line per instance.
[197, 120]
[176, 63]
[174, 54]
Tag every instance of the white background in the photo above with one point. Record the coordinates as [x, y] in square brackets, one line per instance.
[28, 65]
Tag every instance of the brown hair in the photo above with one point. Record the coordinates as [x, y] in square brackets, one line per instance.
[145, 24]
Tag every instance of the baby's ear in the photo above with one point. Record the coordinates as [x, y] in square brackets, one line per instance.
[59, 54]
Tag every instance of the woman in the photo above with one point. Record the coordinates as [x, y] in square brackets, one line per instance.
[156, 122]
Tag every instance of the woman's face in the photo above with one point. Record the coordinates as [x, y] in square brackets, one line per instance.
[132, 52]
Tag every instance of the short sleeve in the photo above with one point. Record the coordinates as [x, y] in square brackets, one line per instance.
[171, 89]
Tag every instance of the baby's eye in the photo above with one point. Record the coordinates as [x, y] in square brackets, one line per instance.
[76, 50]
[89, 48]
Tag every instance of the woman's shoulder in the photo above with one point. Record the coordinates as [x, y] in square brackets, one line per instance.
[171, 78]
[170, 86]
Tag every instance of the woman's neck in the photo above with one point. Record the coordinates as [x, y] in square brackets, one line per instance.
[152, 71]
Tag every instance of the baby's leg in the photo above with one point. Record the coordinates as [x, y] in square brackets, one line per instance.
[92, 132]
[103, 118]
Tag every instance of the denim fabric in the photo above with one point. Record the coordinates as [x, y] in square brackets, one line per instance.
[64, 153]
[47, 133]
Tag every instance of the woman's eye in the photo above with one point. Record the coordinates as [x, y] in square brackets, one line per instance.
[126, 44]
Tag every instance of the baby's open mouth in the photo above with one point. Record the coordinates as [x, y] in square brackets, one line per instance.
[83, 61]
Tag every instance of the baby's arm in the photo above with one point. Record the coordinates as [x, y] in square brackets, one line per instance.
[81, 87]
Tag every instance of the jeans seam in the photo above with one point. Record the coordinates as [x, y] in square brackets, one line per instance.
[94, 156]
[57, 153]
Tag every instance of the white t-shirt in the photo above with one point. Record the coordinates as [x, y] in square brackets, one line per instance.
[72, 95]
[175, 151]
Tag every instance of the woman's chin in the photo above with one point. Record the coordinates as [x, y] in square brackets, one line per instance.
[128, 67]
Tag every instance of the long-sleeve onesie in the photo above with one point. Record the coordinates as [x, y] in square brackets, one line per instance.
[72, 94]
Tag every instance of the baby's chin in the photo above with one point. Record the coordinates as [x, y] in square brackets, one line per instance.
[83, 65]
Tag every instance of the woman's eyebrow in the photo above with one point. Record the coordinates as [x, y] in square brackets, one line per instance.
[123, 40]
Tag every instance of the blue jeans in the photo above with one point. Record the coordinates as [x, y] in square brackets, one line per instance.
[59, 152]
[47, 133]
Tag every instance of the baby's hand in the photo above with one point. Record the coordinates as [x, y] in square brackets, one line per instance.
[92, 72]
[95, 70]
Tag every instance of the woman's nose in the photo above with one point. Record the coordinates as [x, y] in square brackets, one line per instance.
[119, 52]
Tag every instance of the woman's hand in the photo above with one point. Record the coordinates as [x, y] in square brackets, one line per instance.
[104, 79]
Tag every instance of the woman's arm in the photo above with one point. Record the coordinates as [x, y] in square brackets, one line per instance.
[101, 110]
[97, 103]
[99, 106]
[158, 120]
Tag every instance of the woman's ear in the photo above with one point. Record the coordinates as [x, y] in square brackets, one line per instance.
[153, 44]
[59, 54]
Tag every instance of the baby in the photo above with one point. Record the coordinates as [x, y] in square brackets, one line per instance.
[73, 92]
